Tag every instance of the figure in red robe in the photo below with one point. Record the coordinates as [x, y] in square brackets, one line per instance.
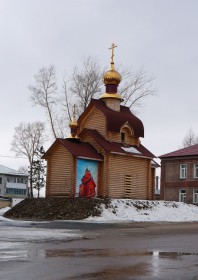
[87, 187]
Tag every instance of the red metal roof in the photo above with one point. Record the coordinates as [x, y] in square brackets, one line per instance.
[189, 151]
[77, 148]
[115, 120]
[115, 147]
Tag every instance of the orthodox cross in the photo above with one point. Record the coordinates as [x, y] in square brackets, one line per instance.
[113, 46]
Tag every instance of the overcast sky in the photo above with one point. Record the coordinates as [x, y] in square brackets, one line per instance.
[159, 35]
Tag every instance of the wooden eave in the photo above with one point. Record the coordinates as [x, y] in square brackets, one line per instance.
[116, 148]
[77, 149]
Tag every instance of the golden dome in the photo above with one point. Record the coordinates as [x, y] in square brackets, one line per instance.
[112, 77]
[73, 125]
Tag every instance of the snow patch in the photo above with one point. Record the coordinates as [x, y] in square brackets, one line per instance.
[131, 150]
[147, 211]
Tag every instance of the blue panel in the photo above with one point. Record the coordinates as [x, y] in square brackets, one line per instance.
[87, 178]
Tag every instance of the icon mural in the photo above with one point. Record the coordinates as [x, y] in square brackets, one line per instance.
[87, 178]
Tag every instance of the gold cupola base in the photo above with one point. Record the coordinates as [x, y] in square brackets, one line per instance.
[111, 95]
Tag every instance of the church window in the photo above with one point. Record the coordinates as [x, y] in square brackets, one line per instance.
[122, 137]
[128, 185]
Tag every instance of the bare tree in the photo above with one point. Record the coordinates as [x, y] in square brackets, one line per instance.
[23, 169]
[27, 139]
[44, 92]
[135, 87]
[190, 139]
[84, 84]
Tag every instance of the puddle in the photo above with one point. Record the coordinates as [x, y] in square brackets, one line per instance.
[112, 253]
[13, 255]
[116, 273]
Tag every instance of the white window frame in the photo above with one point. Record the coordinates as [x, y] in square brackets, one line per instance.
[196, 170]
[183, 171]
[182, 195]
[195, 196]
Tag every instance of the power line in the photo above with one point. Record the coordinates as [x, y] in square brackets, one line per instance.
[12, 157]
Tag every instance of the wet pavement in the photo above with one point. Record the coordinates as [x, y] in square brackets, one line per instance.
[76, 250]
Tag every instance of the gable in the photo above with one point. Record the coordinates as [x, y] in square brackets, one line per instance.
[75, 148]
[93, 118]
[114, 119]
[127, 129]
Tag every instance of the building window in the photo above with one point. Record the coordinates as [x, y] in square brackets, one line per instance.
[182, 195]
[16, 191]
[0, 180]
[11, 179]
[183, 171]
[20, 180]
[122, 137]
[196, 170]
[195, 196]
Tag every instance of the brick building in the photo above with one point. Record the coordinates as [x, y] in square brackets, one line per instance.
[179, 175]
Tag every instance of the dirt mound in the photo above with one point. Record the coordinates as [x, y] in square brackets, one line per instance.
[56, 208]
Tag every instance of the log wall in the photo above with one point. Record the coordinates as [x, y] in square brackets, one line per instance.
[60, 173]
[94, 120]
[129, 177]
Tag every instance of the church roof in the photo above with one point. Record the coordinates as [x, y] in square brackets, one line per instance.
[119, 148]
[77, 148]
[115, 120]
[189, 151]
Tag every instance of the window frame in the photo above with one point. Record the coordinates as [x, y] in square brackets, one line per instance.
[196, 170]
[182, 195]
[183, 171]
[195, 194]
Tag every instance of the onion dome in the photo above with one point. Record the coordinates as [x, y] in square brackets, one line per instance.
[111, 80]
[112, 77]
[73, 126]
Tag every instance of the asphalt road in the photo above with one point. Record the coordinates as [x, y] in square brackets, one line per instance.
[99, 251]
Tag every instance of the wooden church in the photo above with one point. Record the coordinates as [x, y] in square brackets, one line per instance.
[103, 157]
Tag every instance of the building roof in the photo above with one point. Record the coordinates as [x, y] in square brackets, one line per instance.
[115, 120]
[154, 164]
[77, 148]
[119, 148]
[189, 151]
[9, 171]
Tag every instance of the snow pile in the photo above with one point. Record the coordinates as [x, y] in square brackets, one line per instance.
[117, 210]
[147, 211]
[2, 211]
